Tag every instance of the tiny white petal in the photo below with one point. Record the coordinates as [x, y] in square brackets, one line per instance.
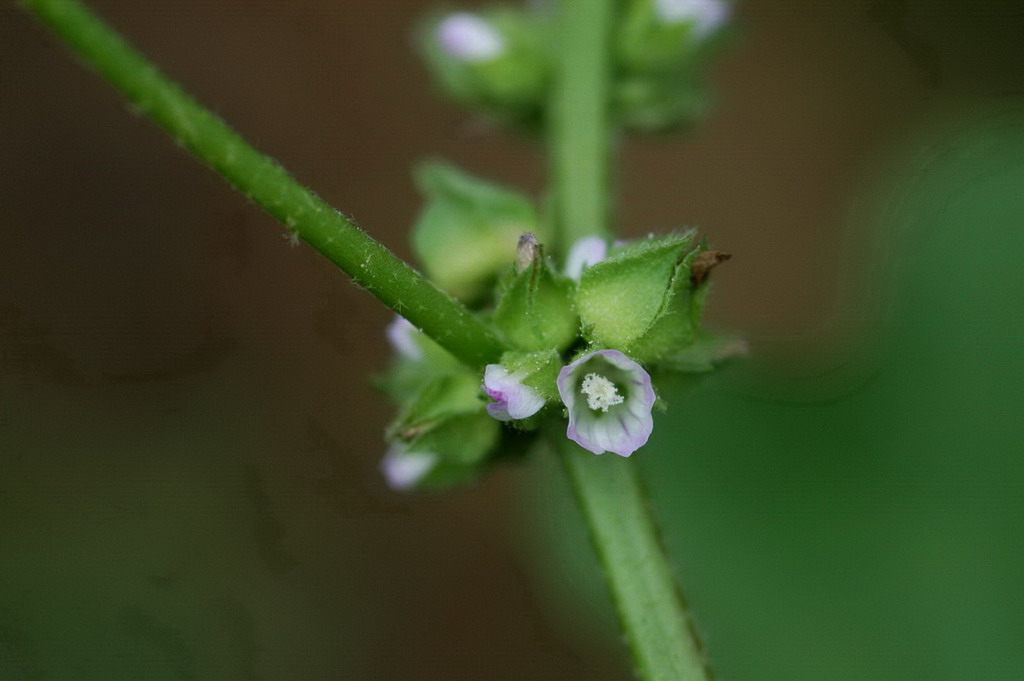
[403, 470]
[402, 336]
[706, 15]
[469, 37]
[587, 251]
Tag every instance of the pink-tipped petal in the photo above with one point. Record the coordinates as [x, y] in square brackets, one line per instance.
[512, 400]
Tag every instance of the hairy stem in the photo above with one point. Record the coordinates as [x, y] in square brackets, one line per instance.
[268, 184]
[651, 609]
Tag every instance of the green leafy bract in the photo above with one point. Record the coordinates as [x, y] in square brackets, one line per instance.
[536, 311]
[619, 300]
[468, 230]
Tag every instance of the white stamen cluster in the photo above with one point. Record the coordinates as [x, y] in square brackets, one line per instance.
[601, 393]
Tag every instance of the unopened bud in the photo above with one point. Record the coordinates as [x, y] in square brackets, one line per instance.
[528, 251]
[706, 15]
[470, 38]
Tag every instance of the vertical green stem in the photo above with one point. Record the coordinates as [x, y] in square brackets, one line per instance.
[268, 184]
[579, 133]
[651, 609]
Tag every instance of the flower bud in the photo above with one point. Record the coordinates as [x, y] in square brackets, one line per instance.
[535, 311]
[495, 60]
[704, 16]
[442, 436]
[469, 37]
[468, 230]
[586, 252]
[522, 384]
[620, 299]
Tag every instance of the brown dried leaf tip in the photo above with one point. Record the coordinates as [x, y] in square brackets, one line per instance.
[704, 263]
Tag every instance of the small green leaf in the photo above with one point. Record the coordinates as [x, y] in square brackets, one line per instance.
[621, 298]
[536, 311]
[468, 230]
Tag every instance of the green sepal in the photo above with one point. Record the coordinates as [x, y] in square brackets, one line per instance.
[644, 42]
[621, 298]
[539, 370]
[461, 441]
[447, 419]
[440, 398]
[462, 444]
[468, 229]
[535, 309]
[659, 102]
[512, 85]
[676, 326]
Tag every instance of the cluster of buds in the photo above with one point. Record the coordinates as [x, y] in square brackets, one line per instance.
[500, 60]
[588, 333]
[587, 336]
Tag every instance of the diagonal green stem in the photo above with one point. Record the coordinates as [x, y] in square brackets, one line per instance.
[650, 605]
[268, 184]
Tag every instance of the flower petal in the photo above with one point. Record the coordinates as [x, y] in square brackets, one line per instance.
[402, 336]
[513, 399]
[403, 469]
[706, 15]
[587, 251]
[468, 37]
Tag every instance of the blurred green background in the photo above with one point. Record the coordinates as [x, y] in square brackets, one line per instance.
[189, 440]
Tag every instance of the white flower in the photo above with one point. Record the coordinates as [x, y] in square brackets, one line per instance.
[402, 336]
[512, 399]
[468, 37]
[587, 251]
[615, 415]
[403, 469]
[706, 15]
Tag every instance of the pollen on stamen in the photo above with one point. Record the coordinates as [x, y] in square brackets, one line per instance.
[601, 393]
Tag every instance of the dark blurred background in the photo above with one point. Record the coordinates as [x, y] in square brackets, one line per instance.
[189, 439]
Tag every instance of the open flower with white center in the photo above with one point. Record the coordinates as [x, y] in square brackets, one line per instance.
[403, 469]
[587, 251]
[609, 398]
[470, 38]
[512, 399]
[706, 15]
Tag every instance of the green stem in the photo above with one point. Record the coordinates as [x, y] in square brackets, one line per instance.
[268, 184]
[650, 605]
[651, 608]
[579, 133]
